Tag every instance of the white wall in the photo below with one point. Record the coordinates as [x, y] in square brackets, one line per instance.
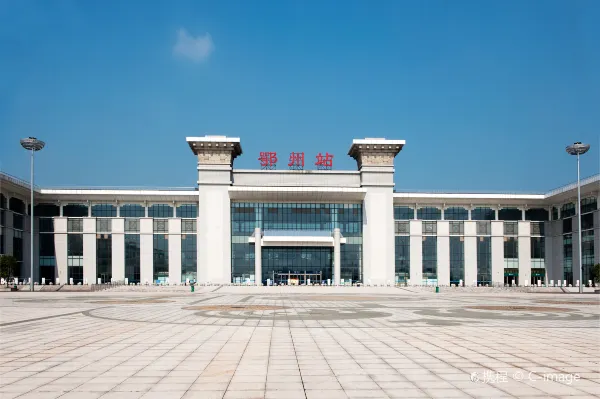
[497, 252]
[174, 251]
[378, 235]
[416, 252]
[146, 251]
[524, 253]
[118, 249]
[470, 253]
[89, 250]
[443, 252]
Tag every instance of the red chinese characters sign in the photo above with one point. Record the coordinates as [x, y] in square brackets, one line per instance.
[268, 160]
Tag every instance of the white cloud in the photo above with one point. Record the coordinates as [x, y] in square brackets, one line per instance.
[197, 49]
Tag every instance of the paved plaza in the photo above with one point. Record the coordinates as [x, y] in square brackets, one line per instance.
[298, 342]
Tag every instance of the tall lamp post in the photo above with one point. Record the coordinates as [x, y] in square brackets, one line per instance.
[579, 149]
[32, 144]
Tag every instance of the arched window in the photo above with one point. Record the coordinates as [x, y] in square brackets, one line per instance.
[429, 213]
[456, 213]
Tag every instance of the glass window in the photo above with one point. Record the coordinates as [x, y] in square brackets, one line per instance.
[587, 221]
[429, 252]
[481, 213]
[430, 228]
[161, 258]
[404, 213]
[457, 260]
[457, 228]
[484, 228]
[75, 225]
[589, 205]
[46, 225]
[132, 225]
[511, 248]
[456, 213]
[161, 225]
[18, 221]
[538, 248]
[536, 214]
[75, 210]
[568, 258]
[46, 210]
[18, 245]
[188, 257]
[402, 267]
[160, 211]
[567, 210]
[104, 257]
[104, 211]
[46, 250]
[75, 244]
[554, 213]
[187, 211]
[511, 228]
[484, 261]
[401, 228]
[429, 213]
[132, 258]
[281, 263]
[567, 225]
[16, 205]
[510, 214]
[587, 253]
[537, 228]
[132, 211]
[188, 226]
[3, 204]
[103, 225]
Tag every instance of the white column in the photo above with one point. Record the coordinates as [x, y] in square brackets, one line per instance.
[470, 253]
[443, 253]
[496, 216]
[146, 251]
[89, 250]
[174, 251]
[378, 234]
[214, 234]
[60, 249]
[257, 256]
[337, 267]
[416, 252]
[524, 229]
[118, 249]
[497, 252]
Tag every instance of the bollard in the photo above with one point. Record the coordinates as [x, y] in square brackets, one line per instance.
[192, 288]
[437, 289]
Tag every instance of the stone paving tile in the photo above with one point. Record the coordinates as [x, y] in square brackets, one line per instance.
[401, 344]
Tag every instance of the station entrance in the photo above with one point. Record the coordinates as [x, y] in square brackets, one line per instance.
[297, 265]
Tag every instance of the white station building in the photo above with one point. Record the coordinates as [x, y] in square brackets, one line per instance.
[300, 226]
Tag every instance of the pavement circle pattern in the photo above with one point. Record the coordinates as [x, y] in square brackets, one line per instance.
[296, 342]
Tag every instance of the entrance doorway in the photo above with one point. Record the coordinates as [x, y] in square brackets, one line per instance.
[296, 265]
[511, 275]
[538, 274]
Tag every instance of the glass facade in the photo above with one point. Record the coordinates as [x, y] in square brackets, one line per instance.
[587, 253]
[160, 211]
[482, 213]
[104, 211]
[429, 252]
[245, 217]
[189, 211]
[589, 205]
[75, 257]
[132, 258]
[132, 211]
[484, 261]
[568, 258]
[511, 214]
[188, 257]
[457, 260]
[456, 213]
[104, 257]
[402, 261]
[567, 210]
[281, 263]
[75, 210]
[511, 253]
[404, 213]
[161, 258]
[429, 213]
[537, 214]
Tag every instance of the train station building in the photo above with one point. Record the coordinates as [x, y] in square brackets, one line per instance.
[294, 226]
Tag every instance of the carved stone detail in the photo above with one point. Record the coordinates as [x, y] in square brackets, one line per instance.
[376, 159]
[214, 157]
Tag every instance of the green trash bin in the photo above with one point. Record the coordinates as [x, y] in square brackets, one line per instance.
[192, 288]
[437, 289]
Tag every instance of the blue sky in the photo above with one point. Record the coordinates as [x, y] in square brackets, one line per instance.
[486, 94]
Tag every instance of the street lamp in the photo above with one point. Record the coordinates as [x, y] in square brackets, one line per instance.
[579, 149]
[32, 144]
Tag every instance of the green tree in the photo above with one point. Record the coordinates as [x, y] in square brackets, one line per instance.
[8, 266]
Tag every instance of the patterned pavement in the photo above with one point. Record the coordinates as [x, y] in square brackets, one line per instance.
[299, 342]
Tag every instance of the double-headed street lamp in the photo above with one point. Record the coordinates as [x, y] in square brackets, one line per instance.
[579, 149]
[32, 144]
